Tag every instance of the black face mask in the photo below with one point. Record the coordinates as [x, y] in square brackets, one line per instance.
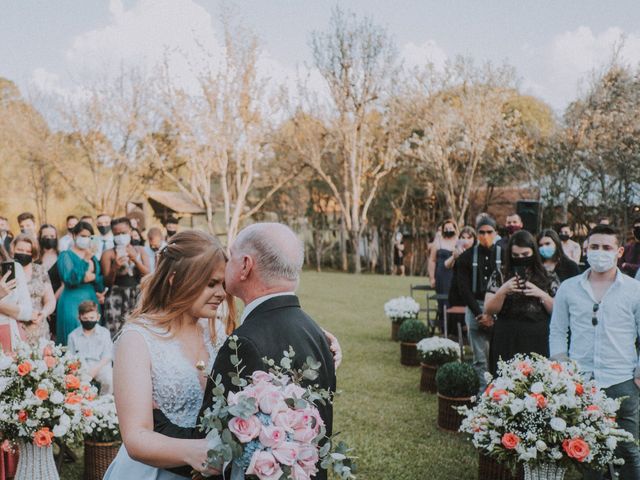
[23, 259]
[155, 249]
[49, 243]
[136, 242]
[103, 229]
[170, 233]
[522, 261]
[87, 325]
[564, 237]
[448, 234]
[636, 233]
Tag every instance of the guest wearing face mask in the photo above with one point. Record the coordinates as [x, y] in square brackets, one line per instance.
[15, 304]
[27, 223]
[155, 243]
[520, 295]
[48, 240]
[171, 226]
[466, 240]
[123, 267]
[630, 261]
[5, 234]
[136, 238]
[66, 241]
[82, 278]
[104, 240]
[553, 256]
[439, 275]
[93, 344]
[571, 249]
[26, 252]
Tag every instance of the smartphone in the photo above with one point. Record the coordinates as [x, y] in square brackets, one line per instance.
[9, 267]
[521, 272]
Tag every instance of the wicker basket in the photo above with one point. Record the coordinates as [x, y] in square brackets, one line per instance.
[448, 418]
[409, 354]
[489, 469]
[428, 378]
[97, 458]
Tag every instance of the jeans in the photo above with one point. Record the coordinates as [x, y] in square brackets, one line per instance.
[628, 420]
[479, 340]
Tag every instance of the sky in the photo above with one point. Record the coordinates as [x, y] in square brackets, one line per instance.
[55, 46]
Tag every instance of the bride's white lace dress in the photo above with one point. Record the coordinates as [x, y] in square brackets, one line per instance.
[177, 392]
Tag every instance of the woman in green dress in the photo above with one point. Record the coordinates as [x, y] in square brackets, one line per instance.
[80, 273]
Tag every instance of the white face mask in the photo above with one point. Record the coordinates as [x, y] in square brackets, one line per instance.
[602, 261]
[122, 239]
[83, 242]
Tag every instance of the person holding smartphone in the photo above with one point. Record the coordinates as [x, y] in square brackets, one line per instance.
[15, 302]
[520, 296]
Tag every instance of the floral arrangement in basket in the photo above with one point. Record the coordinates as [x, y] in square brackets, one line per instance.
[45, 395]
[401, 308]
[438, 351]
[102, 424]
[540, 412]
[271, 429]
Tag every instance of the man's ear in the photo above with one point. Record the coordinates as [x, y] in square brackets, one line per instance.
[247, 267]
[620, 252]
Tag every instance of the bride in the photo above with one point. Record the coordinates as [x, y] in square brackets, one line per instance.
[164, 354]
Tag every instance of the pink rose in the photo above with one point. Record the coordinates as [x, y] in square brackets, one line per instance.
[304, 435]
[245, 430]
[260, 376]
[298, 473]
[264, 466]
[272, 401]
[292, 390]
[309, 418]
[308, 457]
[286, 453]
[286, 419]
[271, 436]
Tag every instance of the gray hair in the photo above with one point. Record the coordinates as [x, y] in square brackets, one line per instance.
[278, 252]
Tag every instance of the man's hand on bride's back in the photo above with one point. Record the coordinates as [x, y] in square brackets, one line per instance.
[197, 458]
[335, 347]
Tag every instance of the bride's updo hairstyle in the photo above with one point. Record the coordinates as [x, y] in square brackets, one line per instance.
[183, 270]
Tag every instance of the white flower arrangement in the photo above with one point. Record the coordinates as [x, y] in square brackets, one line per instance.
[401, 308]
[539, 411]
[102, 423]
[438, 350]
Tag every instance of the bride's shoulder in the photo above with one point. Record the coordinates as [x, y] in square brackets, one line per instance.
[141, 327]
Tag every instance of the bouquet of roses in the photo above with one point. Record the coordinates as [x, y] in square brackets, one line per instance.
[271, 429]
[537, 411]
[44, 395]
[438, 351]
[102, 421]
[401, 308]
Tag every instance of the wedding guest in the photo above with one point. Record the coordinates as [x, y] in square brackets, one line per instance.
[475, 267]
[92, 343]
[26, 252]
[601, 310]
[5, 234]
[467, 239]
[155, 243]
[553, 256]
[27, 223]
[398, 255]
[439, 275]
[66, 241]
[513, 223]
[87, 219]
[571, 249]
[136, 237]
[48, 240]
[171, 226]
[104, 241]
[520, 295]
[82, 278]
[15, 304]
[123, 267]
[630, 261]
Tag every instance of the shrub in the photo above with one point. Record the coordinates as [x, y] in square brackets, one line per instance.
[412, 331]
[456, 379]
[438, 351]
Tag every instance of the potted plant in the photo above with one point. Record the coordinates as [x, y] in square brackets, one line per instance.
[457, 383]
[398, 310]
[409, 334]
[573, 420]
[434, 352]
[101, 437]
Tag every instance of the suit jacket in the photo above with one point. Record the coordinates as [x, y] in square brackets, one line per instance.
[268, 331]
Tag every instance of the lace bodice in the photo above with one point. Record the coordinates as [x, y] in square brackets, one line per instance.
[177, 391]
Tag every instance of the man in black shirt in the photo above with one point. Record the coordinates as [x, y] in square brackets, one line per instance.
[475, 267]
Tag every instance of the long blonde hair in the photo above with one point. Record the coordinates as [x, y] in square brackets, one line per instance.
[183, 270]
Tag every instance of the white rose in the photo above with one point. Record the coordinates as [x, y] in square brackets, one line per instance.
[56, 398]
[541, 446]
[558, 424]
[611, 443]
[65, 420]
[537, 387]
[60, 430]
[5, 362]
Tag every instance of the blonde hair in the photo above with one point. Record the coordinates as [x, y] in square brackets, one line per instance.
[184, 269]
[31, 240]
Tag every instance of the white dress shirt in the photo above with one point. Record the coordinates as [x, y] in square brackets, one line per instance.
[65, 242]
[254, 304]
[607, 351]
[93, 347]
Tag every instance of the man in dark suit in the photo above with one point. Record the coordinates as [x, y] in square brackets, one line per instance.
[263, 271]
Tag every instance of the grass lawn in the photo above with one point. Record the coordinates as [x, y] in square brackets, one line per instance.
[381, 412]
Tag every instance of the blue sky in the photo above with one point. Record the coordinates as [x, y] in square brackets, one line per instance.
[53, 45]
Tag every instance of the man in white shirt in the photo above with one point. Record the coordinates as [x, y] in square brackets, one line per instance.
[104, 241]
[66, 241]
[601, 308]
[571, 249]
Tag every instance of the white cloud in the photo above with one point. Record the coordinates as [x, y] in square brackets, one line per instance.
[414, 55]
[557, 71]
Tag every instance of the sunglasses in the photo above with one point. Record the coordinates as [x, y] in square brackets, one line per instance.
[485, 232]
[594, 317]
